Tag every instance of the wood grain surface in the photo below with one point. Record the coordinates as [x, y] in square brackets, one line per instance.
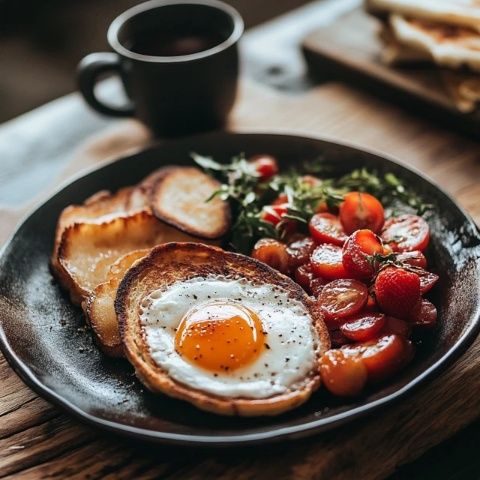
[349, 49]
[38, 441]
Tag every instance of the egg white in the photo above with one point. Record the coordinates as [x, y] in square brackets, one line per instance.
[291, 341]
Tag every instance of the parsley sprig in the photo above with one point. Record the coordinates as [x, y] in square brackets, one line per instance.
[247, 194]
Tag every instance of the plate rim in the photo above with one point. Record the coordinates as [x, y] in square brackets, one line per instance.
[268, 436]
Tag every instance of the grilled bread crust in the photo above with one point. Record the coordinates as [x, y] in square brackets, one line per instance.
[174, 262]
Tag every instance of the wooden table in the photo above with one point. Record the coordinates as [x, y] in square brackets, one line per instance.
[49, 145]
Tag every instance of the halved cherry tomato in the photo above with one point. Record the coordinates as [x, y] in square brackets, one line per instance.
[342, 298]
[427, 280]
[425, 314]
[326, 228]
[360, 211]
[273, 253]
[358, 251]
[414, 259]
[274, 213]
[396, 326]
[326, 261]
[299, 251]
[265, 165]
[341, 374]
[383, 356]
[363, 327]
[406, 233]
[304, 275]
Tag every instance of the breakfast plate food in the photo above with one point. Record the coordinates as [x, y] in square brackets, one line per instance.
[174, 294]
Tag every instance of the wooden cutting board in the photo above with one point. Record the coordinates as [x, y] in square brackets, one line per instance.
[349, 49]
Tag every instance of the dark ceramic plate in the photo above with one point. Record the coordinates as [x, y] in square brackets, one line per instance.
[43, 337]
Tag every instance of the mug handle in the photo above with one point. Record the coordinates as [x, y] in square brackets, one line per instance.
[88, 72]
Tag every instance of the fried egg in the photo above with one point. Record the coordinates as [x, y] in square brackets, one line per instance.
[230, 337]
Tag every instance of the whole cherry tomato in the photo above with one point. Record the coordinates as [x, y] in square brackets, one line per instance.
[342, 375]
[273, 253]
[360, 211]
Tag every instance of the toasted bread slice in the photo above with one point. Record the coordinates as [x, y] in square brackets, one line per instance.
[100, 309]
[88, 250]
[176, 262]
[447, 46]
[464, 13]
[101, 207]
[179, 198]
[140, 196]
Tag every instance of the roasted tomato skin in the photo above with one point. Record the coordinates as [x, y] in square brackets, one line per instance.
[424, 315]
[358, 252]
[303, 276]
[299, 251]
[383, 356]
[406, 233]
[273, 253]
[360, 211]
[342, 375]
[326, 228]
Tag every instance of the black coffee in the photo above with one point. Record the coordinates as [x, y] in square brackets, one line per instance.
[173, 44]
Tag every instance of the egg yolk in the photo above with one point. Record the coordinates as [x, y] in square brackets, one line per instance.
[220, 337]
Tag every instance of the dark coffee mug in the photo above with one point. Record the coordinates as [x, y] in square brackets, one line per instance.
[178, 62]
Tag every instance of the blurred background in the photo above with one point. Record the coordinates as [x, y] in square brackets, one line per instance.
[41, 43]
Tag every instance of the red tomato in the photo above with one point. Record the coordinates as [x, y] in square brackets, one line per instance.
[425, 314]
[363, 327]
[342, 298]
[273, 253]
[265, 165]
[427, 281]
[300, 250]
[383, 356]
[406, 233]
[414, 259]
[326, 261]
[326, 228]
[304, 275]
[342, 375]
[361, 211]
[281, 199]
[395, 326]
[358, 251]
[274, 213]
